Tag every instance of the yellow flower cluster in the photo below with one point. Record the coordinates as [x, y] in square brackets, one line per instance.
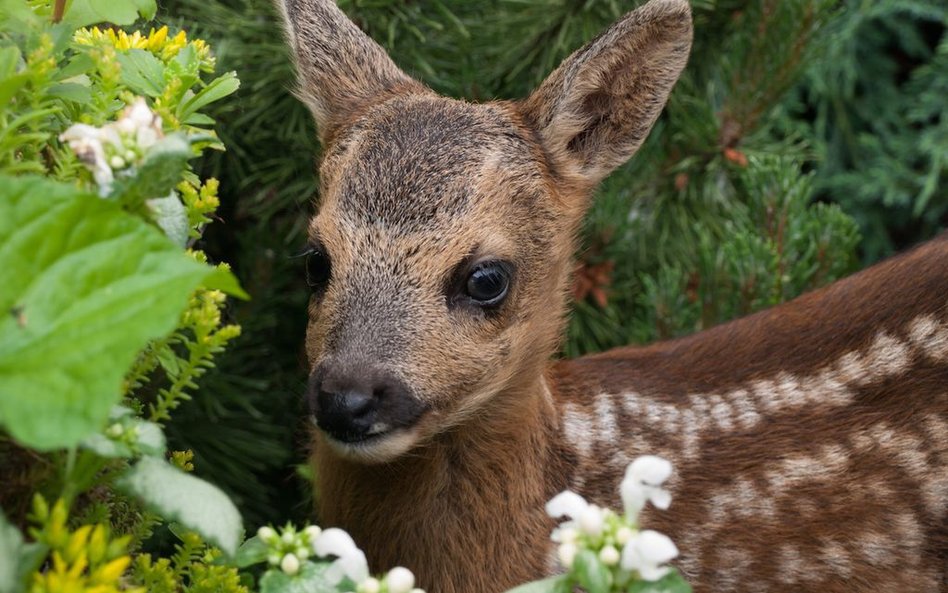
[157, 42]
[82, 561]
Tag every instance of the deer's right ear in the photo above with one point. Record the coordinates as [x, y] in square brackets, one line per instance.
[339, 67]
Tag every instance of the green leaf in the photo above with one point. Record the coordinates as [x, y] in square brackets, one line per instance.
[311, 578]
[71, 91]
[177, 496]
[169, 214]
[157, 175]
[557, 584]
[253, 551]
[11, 542]
[591, 573]
[84, 287]
[142, 72]
[81, 13]
[217, 89]
[672, 582]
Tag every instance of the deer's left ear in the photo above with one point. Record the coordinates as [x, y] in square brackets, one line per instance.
[595, 110]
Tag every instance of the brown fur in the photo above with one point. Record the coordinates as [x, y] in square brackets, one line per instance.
[809, 440]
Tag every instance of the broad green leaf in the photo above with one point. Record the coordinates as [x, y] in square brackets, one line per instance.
[673, 582]
[83, 287]
[71, 91]
[142, 72]
[177, 496]
[157, 175]
[11, 543]
[218, 88]
[253, 551]
[310, 579]
[557, 584]
[169, 214]
[591, 573]
[81, 13]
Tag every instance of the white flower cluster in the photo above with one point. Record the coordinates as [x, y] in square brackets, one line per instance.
[290, 548]
[114, 146]
[616, 539]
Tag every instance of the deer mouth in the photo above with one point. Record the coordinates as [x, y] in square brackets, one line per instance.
[379, 444]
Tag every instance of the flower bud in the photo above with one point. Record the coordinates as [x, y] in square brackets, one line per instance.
[273, 559]
[567, 553]
[114, 431]
[116, 162]
[290, 564]
[312, 532]
[623, 535]
[400, 580]
[590, 521]
[370, 585]
[266, 533]
[609, 555]
[288, 537]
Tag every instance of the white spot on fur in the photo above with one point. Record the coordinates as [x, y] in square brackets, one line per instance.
[887, 356]
[747, 414]
[578, 426]
[930, 337]
[632, 404]
[791, 567]
[721, 412]
[835, 556]
[606, 425]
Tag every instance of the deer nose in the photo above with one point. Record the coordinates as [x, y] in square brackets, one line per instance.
[346, 415]
[352, 405]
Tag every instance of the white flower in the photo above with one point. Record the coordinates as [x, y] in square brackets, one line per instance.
[623, 535]
[566, 503]
[642, 482]
[647, 552]
[370, 585]
[290, 564]
[592, 520]
[114, 145]
[609, 555]
[350, 561]
[86, 142]
[567, 554]
[400, 580]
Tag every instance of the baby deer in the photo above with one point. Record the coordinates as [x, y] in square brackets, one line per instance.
[810, 441]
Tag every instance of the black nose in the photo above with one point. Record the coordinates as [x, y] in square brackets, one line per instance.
[346, 415]
[353, 404]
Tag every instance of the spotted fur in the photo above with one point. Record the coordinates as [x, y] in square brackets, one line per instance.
[810, 441]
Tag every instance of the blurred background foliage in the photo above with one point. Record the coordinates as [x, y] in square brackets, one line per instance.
[807, 138]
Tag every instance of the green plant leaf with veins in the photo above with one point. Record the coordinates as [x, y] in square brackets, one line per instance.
[83, 287]
[177, 496]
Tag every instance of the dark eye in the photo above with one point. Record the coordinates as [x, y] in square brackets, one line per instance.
[488, 283]
[318, 269]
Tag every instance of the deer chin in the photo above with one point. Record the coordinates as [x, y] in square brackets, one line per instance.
[382, 446]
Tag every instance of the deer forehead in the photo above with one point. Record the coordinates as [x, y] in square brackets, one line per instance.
[422, 163]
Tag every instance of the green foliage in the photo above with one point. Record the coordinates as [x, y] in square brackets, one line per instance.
[176, 496]
[874, 112]
[101, 278]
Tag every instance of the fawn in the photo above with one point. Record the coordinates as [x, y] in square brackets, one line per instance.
[810, 441]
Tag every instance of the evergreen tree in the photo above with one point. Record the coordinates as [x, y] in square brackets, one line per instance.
[716, 217]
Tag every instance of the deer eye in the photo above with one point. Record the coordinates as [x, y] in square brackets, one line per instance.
[318, 269]
[487, 283]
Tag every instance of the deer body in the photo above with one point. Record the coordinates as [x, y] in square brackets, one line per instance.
[810, 441]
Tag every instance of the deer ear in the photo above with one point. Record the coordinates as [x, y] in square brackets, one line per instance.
[595, 110]
[339, 67]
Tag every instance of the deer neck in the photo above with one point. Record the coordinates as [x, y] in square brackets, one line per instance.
[434, 506]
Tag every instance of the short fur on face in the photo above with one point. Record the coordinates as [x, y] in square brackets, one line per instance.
[417, 188]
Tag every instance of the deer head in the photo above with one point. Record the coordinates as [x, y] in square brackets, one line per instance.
[440, 254]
